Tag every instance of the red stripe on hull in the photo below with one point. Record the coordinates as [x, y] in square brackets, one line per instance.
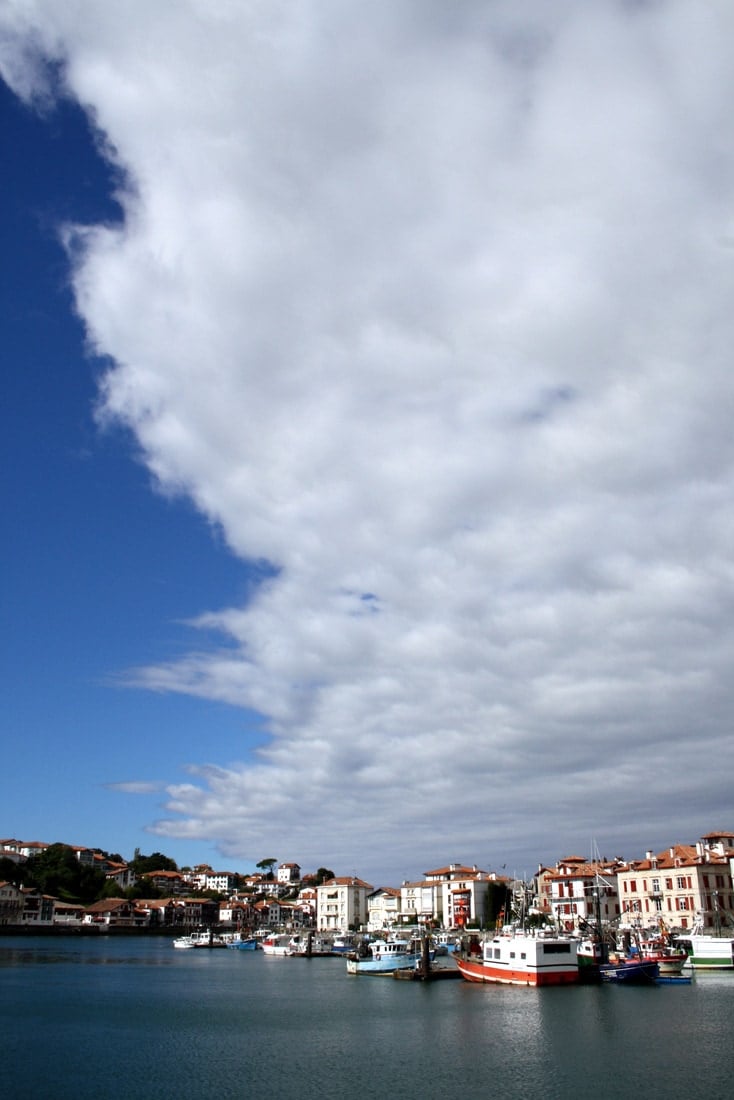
[482, 972]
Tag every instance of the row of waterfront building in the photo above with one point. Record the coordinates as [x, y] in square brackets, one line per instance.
[681, 885]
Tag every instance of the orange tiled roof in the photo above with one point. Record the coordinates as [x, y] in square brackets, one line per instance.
[349, 880]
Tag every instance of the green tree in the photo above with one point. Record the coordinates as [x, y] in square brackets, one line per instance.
[143, 889]
[10, 871]
[323, 875]
[267, 865]
[109, 890]
[154, 862]
[58, 872]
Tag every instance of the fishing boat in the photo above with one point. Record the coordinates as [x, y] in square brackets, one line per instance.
[242, 943]
[660, 949]
[385, 956]
[708, 951]
[343, 944]
[630, 970]
[598, 963]
[445, 942]
[518, 957]
[204, 938]
[309, 945]
[276, 944]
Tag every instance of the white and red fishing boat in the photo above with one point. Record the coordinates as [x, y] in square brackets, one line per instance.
[518, 957]
[660, 949]
[276, 944]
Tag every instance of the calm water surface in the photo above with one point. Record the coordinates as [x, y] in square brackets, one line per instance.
[102, 1018]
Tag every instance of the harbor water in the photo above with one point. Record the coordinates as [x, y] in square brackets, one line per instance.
[102, 1017]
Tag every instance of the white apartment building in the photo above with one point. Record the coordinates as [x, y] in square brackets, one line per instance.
[419, 902]
[341, 904]
[203, 878]
[288, 873]
[455, 896]
[569, 892]
[383, 908]
[682, 884]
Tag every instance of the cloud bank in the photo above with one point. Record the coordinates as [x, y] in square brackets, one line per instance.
[428, 308]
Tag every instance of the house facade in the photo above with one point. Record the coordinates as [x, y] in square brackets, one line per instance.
[11, 904]
[341, 904]
[115, 913]
[171, 883]
[38, 908]
[456, 896]
[681, 885]
[288, 873]
[383, 908]
[575, 888]
[222, 882]
[26, 849]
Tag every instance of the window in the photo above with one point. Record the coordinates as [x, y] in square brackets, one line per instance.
[680, 882]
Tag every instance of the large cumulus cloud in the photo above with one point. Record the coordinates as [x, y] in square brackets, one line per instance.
[428, 307]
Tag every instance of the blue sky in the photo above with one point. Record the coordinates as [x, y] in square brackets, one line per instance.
[99, 571]
[367, 429]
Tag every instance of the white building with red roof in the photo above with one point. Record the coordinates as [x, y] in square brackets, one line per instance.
[341, 904]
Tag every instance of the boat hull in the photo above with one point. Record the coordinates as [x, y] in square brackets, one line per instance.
[276, 946]
[198, 940]
[387, 965]
[669, 963]
[638, 972]
[476, 970]
[521, 959]
[711, 952]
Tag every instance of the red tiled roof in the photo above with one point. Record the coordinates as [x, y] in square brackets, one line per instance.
[346, 881]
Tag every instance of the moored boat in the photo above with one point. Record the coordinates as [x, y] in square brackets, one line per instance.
[276, 944]
[243, 943]
[669, 960]
[386, 956]
[517, 957]
[660, 949]
[309, 944]
[205, 938]
[631, 971]
[708, 952]
[445, 942]
[712, 950]
[343, 944]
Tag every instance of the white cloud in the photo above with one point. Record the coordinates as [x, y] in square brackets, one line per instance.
[138, 786]
[435, 316]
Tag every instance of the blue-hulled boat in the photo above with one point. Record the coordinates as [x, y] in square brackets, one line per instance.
[632, 971]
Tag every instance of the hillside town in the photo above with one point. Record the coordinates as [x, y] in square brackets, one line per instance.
[680, 885]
